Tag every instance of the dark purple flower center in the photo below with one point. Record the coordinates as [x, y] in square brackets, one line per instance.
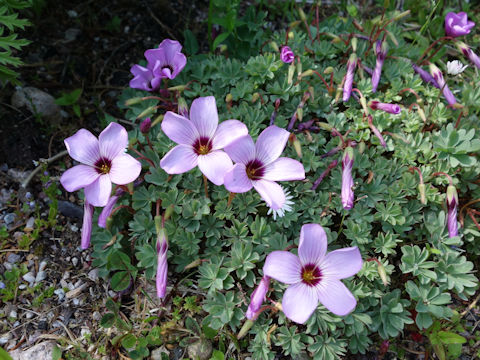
[202, 145]
[169, 67]
[103, 166]
[311, 275]
[255, 169]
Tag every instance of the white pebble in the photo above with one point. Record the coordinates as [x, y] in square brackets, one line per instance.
[29, 277]
[74, 261]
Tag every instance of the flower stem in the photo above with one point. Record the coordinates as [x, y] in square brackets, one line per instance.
[231, 195]
[205, 185]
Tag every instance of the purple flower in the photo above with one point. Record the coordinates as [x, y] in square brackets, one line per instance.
[390, 108]
[457, 24]
[104, 162]
[347, 179]
[259, 166]
[200, 139]
[469, 53]
[452, 204]
[164, 62]
[381, 51]
[438, 76]
[347, 86]
[257, 298]
[286, 55]
[107, 210]
[314, 276]
[425, 75]
[162, 265]
[145, 126]
[87, 224]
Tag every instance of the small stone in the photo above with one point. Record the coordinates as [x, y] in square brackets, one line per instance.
[12, 314]
[22, 286]
[157, 353]
[60, 293]
[75, 292]
[29, 277]
[66, 275]
[29, 314]
[17, 235]
[71, 34]
[42, 325]
[96, 316]
[63, 284]
[12, 258]
[74, 228]
[72, 13]
[201, 350]
[5, 338]
[42, 266]
[42, 275]
[9, 218]
[30, 224]
[75, 261]
[76, 302]
[37, 101]
[2, 285]
[66, 208]
[8, 266]
[42, 351]
[93, 275]
[17, 175]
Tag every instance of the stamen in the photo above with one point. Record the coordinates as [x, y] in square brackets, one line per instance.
[202, 145]
[103, 166]
[255, 169]
[311, 275]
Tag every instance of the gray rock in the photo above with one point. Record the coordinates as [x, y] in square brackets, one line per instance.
[71, 34]
[9, 218]
[17, 175]
[42, 351]
[201, 350]
[42, 265]
[29, 277]
[12, 314]
[37, 101]
[12, 258]
[30, 224]
[5, 338]
[60, 293]
[93, 275]
[70, 210]
[157, 353]
[75, 261]
[42, 275]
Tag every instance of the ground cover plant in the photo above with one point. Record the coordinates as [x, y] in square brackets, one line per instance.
[313, 192]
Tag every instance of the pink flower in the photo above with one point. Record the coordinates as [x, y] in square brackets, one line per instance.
[457, 24]
[87, 224]
[347, 179]
[314, 276]
[381, 51]
[286, 55]
[259, 166]
[200, 139]
[162, 265]
[103, 162]
[390, 108]
[164, 62]
[257, 298]
[468, 53]
[425, 75]
[107, 210]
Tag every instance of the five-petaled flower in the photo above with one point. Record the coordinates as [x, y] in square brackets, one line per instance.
[259, 166]
[164, 62]
[455, 67]
[457, 24]
[314, 276]
[286, 55]
[200, 140]
[103, 162]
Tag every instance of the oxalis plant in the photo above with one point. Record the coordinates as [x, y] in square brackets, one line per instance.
[320, 197]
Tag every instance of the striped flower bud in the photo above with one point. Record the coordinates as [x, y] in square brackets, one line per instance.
[145, 125]
[162, 265]
[390, 108]
[381, 51]
[452, 204]
[465, 49]
[347, 179]
[107, 210]
[425, 75]
[347, 87]
[286, 55]
[87, 224]
[257, 299]
[438, 76]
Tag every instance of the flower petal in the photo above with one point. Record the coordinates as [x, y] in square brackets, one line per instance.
[236, 179]
[271, 192]
[299, 302]
[313, 244]
[155, 58]
[142, 78]
[283, 266]
[98, 192]
[227, 132]
[179, 129]
[284, 169]
[180, 159]
[270, 144]
[113, 140]
[335, 296]
[171, 48]
[124, 169]
[241, 150]
[179, 62]
[204, 115]
[342, 263]
[83, 147]
[78, 177]
[215, 165]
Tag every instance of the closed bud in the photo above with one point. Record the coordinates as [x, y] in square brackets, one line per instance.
[354, 44]
[299, 67]
[255, 97]
[168, 213]
[148, 111]
[274, 46]
[223, 48]
[157, 120]
[193, 264]
[177, 88]
[182, 107]
[257, 298]
[306, 73]
[347, 194]
[291, 71]
[421, 113]
[328, 70]
[302, 14]
[401, 15]
[382, 273]
[452, 205]
[228, 98]
[421, 191]
[145, 125]
[245, 328]
[291, 35]
[133, 101]
[361, 147]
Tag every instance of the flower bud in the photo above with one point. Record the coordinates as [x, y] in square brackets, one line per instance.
[145, 125]
[291, 35]
[148, 111]
[133, 101]
[107, 210]
[438, 76]
[291, 71]
[381, 51]
[157, 120]
[347, 179]
[162, 265]
[328, 70]
[390, 108]
[177, 88]
[421, 113]
[257, 298]
[452, 204]
[382, 273]
[468, 53]
[274, 46]
[88, 211]
[255, 97]
[377, 133]
[306, 73]
[245, 328]
[228, 98]
[182, 107]
[421, 191]
[302, 14]
[354, 43]
[425, 75]
[347, 87]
